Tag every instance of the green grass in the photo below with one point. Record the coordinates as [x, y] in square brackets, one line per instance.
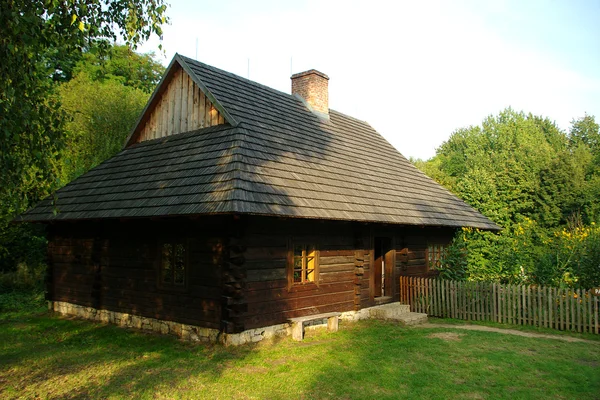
[44, 356]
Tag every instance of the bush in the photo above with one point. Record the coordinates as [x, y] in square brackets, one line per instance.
[527, 254]
[24, 278]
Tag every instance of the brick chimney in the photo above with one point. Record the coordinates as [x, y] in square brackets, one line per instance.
[312, 87]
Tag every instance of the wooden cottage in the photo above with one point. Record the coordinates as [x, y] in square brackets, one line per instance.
[234, 206]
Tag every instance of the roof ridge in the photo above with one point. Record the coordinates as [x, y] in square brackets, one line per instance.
[236, 76]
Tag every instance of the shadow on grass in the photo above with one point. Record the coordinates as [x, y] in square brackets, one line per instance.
[50, 357]
[38, 353]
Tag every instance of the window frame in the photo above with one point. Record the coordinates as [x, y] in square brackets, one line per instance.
[171, 286]
[292, 244]
[439, 250]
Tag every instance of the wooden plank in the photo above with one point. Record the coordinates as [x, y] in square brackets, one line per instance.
[433, 297]
[429, 283]
[401, 294]
[194, 106]
[511, 299]
[422, 299]
[165, 113]
[191, 105]
[578, 308]
[445, 299]
[470, 299]
[421, 294]
[541, 306]
[563, 317]
[184, 102]
[550, 311]
[450, 300]
[177, 113]
[518, 317]
[201, 109]
[589, 298]
[529, 319]
[455, 296]
[557, 307]
[457, 299]
[568, 309]
[207, 108]
[494, 303]
[596, 306]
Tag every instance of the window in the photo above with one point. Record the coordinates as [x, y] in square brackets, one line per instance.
[173, 264]
[435, 255]
[305, 264]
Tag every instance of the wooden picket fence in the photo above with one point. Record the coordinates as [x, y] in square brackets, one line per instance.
[550, 307]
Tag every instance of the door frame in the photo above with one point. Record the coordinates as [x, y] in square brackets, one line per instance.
[390, 261]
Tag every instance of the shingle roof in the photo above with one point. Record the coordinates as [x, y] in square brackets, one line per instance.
[280, 160]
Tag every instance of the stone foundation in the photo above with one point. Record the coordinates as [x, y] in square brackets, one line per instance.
[184, 331]
[199, 334]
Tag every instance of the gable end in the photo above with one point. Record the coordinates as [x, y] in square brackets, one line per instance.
[181, 103]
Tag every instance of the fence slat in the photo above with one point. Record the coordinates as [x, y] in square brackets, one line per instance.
[596, 305]
[549, 298]
[508, 303]
[573, 312]
[578, 306]
[589, 297]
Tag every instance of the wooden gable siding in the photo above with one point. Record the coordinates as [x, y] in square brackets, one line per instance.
[115, 267]
[181, 107]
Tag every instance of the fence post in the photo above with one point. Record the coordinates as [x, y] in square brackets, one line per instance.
[549, 295]
[578, 305]
[561, 310]
[596, 322]
[589, 298]
[434, 300]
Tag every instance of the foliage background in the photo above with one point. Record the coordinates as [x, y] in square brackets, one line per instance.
[540, 184]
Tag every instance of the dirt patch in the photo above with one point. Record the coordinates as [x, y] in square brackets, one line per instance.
[473, 396]
[254, 369]
[447, 336]
[507, 332]
[589, 363]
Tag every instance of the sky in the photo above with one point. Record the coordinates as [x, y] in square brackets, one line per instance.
[415, 70]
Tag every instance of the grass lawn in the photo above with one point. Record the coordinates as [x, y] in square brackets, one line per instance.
[45, 356]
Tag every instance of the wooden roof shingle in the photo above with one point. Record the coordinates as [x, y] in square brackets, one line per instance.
[274, 157]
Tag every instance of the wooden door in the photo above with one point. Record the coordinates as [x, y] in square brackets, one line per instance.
[382, 267]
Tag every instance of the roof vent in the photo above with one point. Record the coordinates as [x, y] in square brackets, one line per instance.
[312, 87]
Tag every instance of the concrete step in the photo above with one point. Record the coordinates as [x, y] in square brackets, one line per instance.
[389, 311]
[412, 318]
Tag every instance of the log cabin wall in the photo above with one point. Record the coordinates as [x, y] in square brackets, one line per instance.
[343, 281]
[411, 250]
[181, 107]
[113, 266]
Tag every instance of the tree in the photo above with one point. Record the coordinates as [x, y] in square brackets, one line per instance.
[37, 38]
[534, 180]
[140, 71]
[102, 113]
[40, 42]
[585, 131]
